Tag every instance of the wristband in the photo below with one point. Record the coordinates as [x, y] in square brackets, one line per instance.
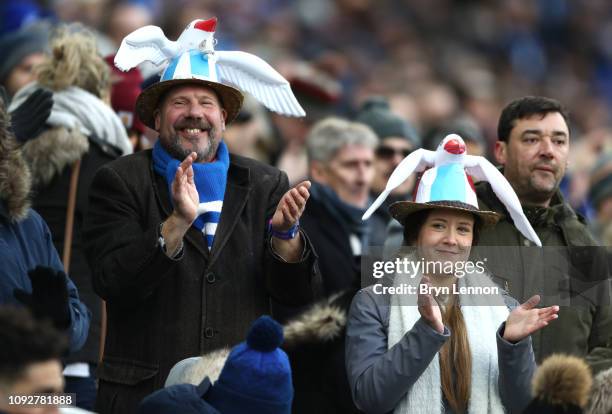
[284, 235]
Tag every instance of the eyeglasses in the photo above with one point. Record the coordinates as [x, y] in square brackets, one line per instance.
[389, 152]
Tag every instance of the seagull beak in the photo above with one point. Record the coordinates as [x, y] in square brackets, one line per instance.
[454, 147]
[207, 25]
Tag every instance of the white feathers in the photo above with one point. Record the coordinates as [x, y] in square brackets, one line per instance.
[145, 44]
[252, 74]
[481, 169]
[417, 161]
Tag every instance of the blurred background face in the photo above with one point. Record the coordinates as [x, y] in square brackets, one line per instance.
[446, 236]
[23, 73]
[388, 155]
[40, 377]
[535, 156]
[349, 174]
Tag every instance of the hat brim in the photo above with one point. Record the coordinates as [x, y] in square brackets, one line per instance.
[402, 209]
[148, 101]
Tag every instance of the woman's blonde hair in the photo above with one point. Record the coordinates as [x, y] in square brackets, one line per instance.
[75, 61]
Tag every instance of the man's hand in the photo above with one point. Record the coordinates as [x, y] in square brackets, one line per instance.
[184, 192]
[429, 308]
[288, 212]
[526, 319]
[186, 200]
[291, 207]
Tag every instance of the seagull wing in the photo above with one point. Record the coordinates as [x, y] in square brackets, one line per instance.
[252, 74]
[145, 44]
[481, 169]
[417, 161]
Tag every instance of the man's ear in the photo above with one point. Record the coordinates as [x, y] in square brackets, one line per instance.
[224, 116]
[501, 149]
[317, 172]
[157, 119]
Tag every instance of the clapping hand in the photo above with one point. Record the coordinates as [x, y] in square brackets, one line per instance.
[429, 308]
[526, 319]
[291, 207]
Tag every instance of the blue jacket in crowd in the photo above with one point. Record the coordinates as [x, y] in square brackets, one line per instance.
[24, 245]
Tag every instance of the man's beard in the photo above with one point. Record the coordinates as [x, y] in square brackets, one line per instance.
[173, 144]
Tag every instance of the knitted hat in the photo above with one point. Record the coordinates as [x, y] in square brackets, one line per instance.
[180, 398]
[376, 114]
[124, 93]
[256, 377]
[561, 385]
[601, 180]
[18, 45]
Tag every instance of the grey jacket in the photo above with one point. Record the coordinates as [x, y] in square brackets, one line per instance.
[380, 377]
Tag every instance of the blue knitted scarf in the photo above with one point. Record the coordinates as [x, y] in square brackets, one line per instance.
[210, 179]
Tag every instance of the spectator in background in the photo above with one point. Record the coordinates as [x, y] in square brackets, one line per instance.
[600, 196]
[255, 378]
[397, 139]
[21, 52]
[317, 92]
[468, 129]
[125, 88]
[250, 133]
[341, 165]
[30, 270]
[83, 134]
[30, 361]
[533, 147]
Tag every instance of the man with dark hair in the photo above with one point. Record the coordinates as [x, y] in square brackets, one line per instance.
[533, 149]
[30, 358]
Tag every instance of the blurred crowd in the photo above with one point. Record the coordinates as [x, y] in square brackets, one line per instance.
[377, 79]
[436, 61]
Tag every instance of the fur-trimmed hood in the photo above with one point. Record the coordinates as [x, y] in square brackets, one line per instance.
[323, 323]
[14, 173]
[52, 151]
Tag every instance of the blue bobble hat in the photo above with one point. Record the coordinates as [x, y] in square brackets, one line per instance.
[256, 377]
[179, 398]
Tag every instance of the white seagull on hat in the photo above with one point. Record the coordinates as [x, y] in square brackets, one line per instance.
[443, 163]
[242, 70]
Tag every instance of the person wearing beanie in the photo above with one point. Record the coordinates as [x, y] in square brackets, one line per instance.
[256, 378]
[21, 52]
[397, 139]
[125, 88]
[561, 385]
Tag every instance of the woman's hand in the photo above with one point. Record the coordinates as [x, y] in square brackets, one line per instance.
[526, 319]
[429, 308]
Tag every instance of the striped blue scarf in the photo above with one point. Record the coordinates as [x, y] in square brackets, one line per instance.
[210, 179]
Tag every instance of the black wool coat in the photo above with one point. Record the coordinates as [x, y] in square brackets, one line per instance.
[162, 310]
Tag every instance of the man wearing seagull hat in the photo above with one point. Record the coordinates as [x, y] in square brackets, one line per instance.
[189, 243]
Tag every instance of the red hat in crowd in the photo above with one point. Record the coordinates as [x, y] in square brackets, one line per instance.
[124, 93]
